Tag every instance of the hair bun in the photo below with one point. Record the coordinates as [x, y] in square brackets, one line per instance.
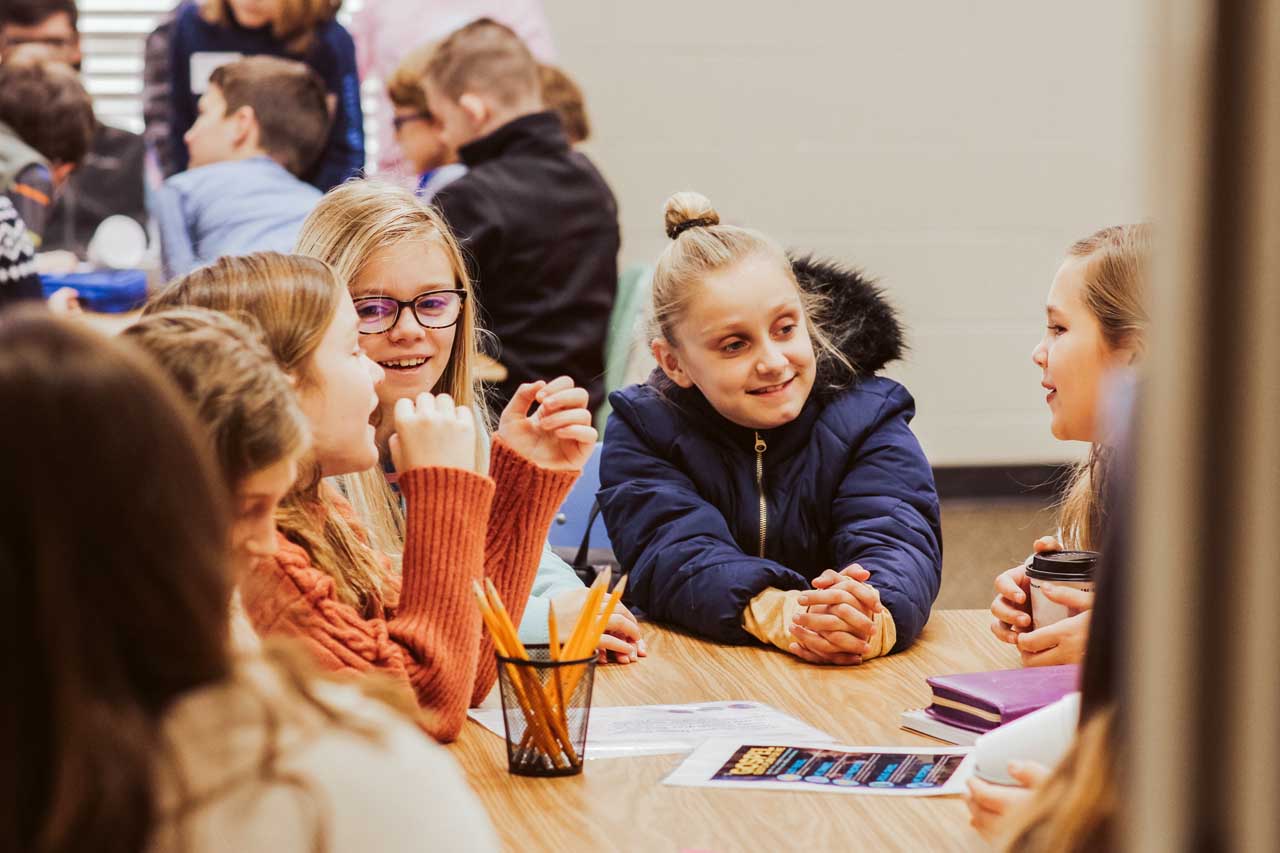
[688, 210]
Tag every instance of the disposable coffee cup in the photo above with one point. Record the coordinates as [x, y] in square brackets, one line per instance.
[1072, 569]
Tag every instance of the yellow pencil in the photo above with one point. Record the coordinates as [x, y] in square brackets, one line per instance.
[502, 641]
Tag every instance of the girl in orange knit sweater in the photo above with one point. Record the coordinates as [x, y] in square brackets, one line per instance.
[406, 275]
[326, 585]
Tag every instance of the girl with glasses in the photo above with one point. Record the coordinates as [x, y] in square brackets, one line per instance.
[418, 322]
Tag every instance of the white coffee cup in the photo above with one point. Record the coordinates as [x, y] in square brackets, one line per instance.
[1072, 569]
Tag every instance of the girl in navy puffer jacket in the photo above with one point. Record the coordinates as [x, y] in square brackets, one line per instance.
[764, 483]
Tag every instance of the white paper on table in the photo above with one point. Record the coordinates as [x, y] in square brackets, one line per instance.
[623, 731]
[821, 766]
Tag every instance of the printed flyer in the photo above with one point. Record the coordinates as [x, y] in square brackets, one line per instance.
[900, 771]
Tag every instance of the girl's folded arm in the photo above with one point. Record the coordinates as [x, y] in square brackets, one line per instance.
[886, 518]
[684, 564]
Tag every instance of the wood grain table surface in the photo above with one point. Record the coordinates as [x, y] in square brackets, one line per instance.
[621, 803]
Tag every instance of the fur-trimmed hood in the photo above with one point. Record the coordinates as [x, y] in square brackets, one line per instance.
[854, 313]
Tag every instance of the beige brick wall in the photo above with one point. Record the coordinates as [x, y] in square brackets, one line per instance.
[951, 148]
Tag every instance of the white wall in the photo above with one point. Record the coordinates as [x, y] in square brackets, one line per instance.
[953, 149]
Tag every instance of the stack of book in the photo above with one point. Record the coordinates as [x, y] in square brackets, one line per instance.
[971, 704]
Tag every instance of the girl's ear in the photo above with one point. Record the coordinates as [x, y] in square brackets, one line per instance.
[669, 360]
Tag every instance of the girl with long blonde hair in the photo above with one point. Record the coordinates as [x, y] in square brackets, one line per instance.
[418, 321]
[1096, 325]
[326, 584]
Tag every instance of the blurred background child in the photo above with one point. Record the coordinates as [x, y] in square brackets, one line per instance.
[262, 124]
[207, 33]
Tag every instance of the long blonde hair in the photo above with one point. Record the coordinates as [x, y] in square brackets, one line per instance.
[1115, 281]
[293, 299]
[296, 24]
[700, 246]
[1074, 811]
[346, 230]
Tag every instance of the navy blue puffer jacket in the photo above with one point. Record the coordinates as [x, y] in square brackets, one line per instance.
[845, 482]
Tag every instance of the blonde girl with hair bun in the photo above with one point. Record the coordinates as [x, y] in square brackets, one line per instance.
[326, 585]
[1096, 325]
[394, 252]
[764, 485]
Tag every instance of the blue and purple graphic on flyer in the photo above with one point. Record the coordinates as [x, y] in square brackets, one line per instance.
[883, 770]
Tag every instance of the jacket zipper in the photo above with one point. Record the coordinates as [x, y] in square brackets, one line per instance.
[761, 447]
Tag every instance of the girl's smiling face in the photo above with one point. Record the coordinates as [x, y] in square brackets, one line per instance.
[1074, 356]
[743, 342]
[413, 357]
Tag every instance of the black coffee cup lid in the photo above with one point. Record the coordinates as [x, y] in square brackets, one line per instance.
[1063, 566]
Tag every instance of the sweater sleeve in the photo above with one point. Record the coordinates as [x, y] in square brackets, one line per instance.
[525, 500]
[343, 154]
[685, 565]
[886, 518]
[431, 643]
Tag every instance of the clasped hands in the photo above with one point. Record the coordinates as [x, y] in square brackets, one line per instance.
[839, 618]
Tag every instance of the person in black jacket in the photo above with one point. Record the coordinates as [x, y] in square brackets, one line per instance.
[537, 219]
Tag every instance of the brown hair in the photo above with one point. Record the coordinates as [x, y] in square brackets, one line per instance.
[243, 400]
[699, 246]
[288, 102]
[1116, 260]
[293, 299]
[1075, 810]
[404, 86]
[45, 104]
[296, 26]
[561, 93]
[33, 13]
[346, 230]
[118, 547]
[488, 58]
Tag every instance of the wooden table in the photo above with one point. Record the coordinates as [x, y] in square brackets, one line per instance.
[621, 803]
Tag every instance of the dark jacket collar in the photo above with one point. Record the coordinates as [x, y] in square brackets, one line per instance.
[536, 133]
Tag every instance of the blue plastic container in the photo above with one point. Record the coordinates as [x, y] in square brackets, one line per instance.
[106, 292]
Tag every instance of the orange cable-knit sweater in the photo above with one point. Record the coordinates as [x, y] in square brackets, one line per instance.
[460, 527]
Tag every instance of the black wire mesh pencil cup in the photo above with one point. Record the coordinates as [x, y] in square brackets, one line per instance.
[545, 709]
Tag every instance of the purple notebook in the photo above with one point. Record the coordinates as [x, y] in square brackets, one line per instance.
[980, 701]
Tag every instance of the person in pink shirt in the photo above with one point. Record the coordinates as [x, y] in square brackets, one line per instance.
[385, 31]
